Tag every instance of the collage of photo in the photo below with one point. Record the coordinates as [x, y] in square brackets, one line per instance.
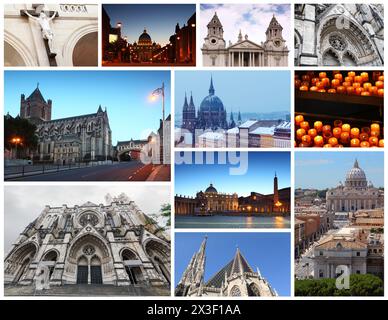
[174, 150]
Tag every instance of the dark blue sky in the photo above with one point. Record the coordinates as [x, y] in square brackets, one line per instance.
[248, 91]
[124, 93]
[259, 176]
[158, 19]
[268, 251]
[321, 170]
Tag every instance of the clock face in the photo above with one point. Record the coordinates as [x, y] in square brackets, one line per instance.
[277, 43]
[213, 41]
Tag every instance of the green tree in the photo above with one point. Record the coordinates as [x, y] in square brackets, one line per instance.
[359, 285]
[165, 211]
[23, 129]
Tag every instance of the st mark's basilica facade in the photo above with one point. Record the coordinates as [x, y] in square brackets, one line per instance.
[114, 244]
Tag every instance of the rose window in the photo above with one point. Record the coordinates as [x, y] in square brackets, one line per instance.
[337, 42]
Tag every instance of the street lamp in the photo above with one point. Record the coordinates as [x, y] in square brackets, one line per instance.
[16, 141]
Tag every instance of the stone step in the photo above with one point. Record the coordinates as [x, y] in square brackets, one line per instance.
[88, 290]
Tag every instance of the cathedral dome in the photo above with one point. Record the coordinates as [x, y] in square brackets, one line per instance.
[212, 103]
[145, 37]
[356, 177]
[211, 189]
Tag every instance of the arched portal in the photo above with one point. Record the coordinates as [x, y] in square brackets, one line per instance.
[12, 57]
[159, 255]
[85, 53]
[50, 259]
[95, 270]
[82, 270]
[330, 59]
[133, 266]
[19, 261]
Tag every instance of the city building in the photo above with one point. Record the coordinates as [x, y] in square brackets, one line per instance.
[235, 279]
[44, 35]
[209, 127]
[212, 202]
[339, 34]
[355, 194]
[115, 244]
[180, 48]
[244, 53]
[68, 140]
[359, 250]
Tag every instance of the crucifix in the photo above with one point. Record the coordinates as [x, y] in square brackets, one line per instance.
[44, 18]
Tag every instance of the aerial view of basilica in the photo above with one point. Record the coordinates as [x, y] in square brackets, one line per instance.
[339, 230]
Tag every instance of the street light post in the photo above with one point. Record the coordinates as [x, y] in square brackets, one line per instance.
[160, 91]
[16, 141]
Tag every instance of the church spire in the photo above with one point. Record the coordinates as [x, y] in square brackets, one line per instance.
[185, 105]
[191, 105]
[211, 89]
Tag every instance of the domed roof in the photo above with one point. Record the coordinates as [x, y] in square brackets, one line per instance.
[145, 36]
[211, 189]
[211, 102]
[356, 173]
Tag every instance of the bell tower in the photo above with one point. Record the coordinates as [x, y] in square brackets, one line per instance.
[275, 45]
[213, 50]
[275, 190]
[35, 108]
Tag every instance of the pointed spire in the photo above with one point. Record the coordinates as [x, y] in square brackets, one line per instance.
[355, 164]
[37, 85]
[211, 89]
[275, 175]
[99, 109]
[231, 116]
[191, 105]
[239, 116]
[185, 105]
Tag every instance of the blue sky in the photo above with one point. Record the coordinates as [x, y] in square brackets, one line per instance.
[124, 93]
[321, 170]
[248, 91]
[268, 251]
[158, 19]
[258, 178]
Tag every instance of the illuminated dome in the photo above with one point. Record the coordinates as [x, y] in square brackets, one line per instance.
[211, 189]
[212, 103]
[145, 38]
[356, 177]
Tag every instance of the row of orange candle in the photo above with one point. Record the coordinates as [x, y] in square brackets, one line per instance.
[337, 135]
[351, 84]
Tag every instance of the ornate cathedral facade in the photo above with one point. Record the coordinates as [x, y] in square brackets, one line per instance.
[339, 34]
[235, 279]
[355, 194]
[244, 53]
[113, 244]
[68, 140]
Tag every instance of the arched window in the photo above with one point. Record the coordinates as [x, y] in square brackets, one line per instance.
[235, 292]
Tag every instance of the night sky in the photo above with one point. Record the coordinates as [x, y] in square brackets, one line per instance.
[158, 19]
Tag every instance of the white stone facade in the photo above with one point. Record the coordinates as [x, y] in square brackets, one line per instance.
[339, 34]
[113, 244]
[244, 53]
[75, 39]
[355, 194]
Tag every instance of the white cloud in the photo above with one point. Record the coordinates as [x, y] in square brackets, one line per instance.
[23, 204]
[252, 19]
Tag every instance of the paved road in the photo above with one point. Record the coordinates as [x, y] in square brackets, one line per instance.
[116, 172]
